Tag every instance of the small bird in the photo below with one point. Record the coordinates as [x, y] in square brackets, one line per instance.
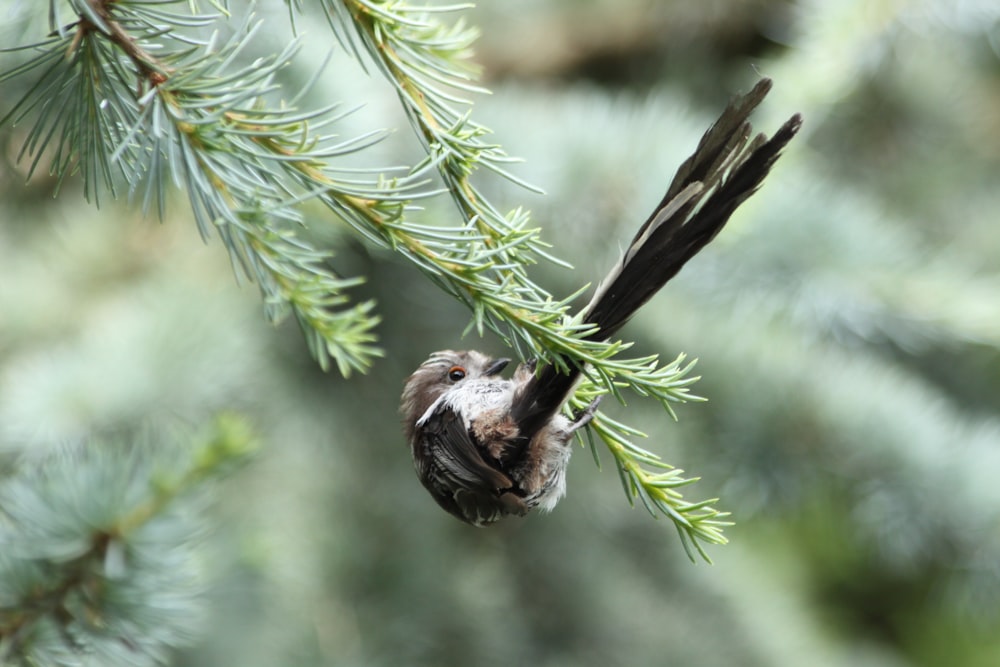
[485, 446]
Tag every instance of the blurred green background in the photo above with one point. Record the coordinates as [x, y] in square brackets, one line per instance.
[847, 326]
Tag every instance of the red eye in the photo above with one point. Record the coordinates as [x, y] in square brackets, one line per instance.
[456, 373]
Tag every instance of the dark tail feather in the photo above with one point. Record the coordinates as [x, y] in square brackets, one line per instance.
[723, 172]
[725, 169]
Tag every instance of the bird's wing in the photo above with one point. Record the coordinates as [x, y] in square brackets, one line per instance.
[456, 473]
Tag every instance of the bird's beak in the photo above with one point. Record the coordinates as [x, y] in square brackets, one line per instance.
[496, 366]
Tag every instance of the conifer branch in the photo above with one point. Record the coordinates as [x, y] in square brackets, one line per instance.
[152, 104]
[188, 116]
[88, 535]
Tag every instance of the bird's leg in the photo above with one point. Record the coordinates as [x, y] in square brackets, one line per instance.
[583, 418]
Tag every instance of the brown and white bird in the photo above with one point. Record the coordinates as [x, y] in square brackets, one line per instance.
[485, 446]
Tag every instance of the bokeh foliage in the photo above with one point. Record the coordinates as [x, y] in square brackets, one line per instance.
[846, 328]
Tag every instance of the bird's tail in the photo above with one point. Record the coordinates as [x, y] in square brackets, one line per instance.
[727, 167]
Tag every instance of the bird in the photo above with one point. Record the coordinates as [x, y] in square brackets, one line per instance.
[486, 447]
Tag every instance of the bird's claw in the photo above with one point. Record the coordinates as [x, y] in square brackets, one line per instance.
[584, 417]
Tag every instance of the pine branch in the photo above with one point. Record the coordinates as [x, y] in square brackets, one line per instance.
[189, 117]
[151, 104]
[93, 535]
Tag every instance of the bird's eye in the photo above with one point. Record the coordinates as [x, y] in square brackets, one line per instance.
[456, 373]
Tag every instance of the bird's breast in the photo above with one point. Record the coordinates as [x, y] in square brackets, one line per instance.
[474, 398]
